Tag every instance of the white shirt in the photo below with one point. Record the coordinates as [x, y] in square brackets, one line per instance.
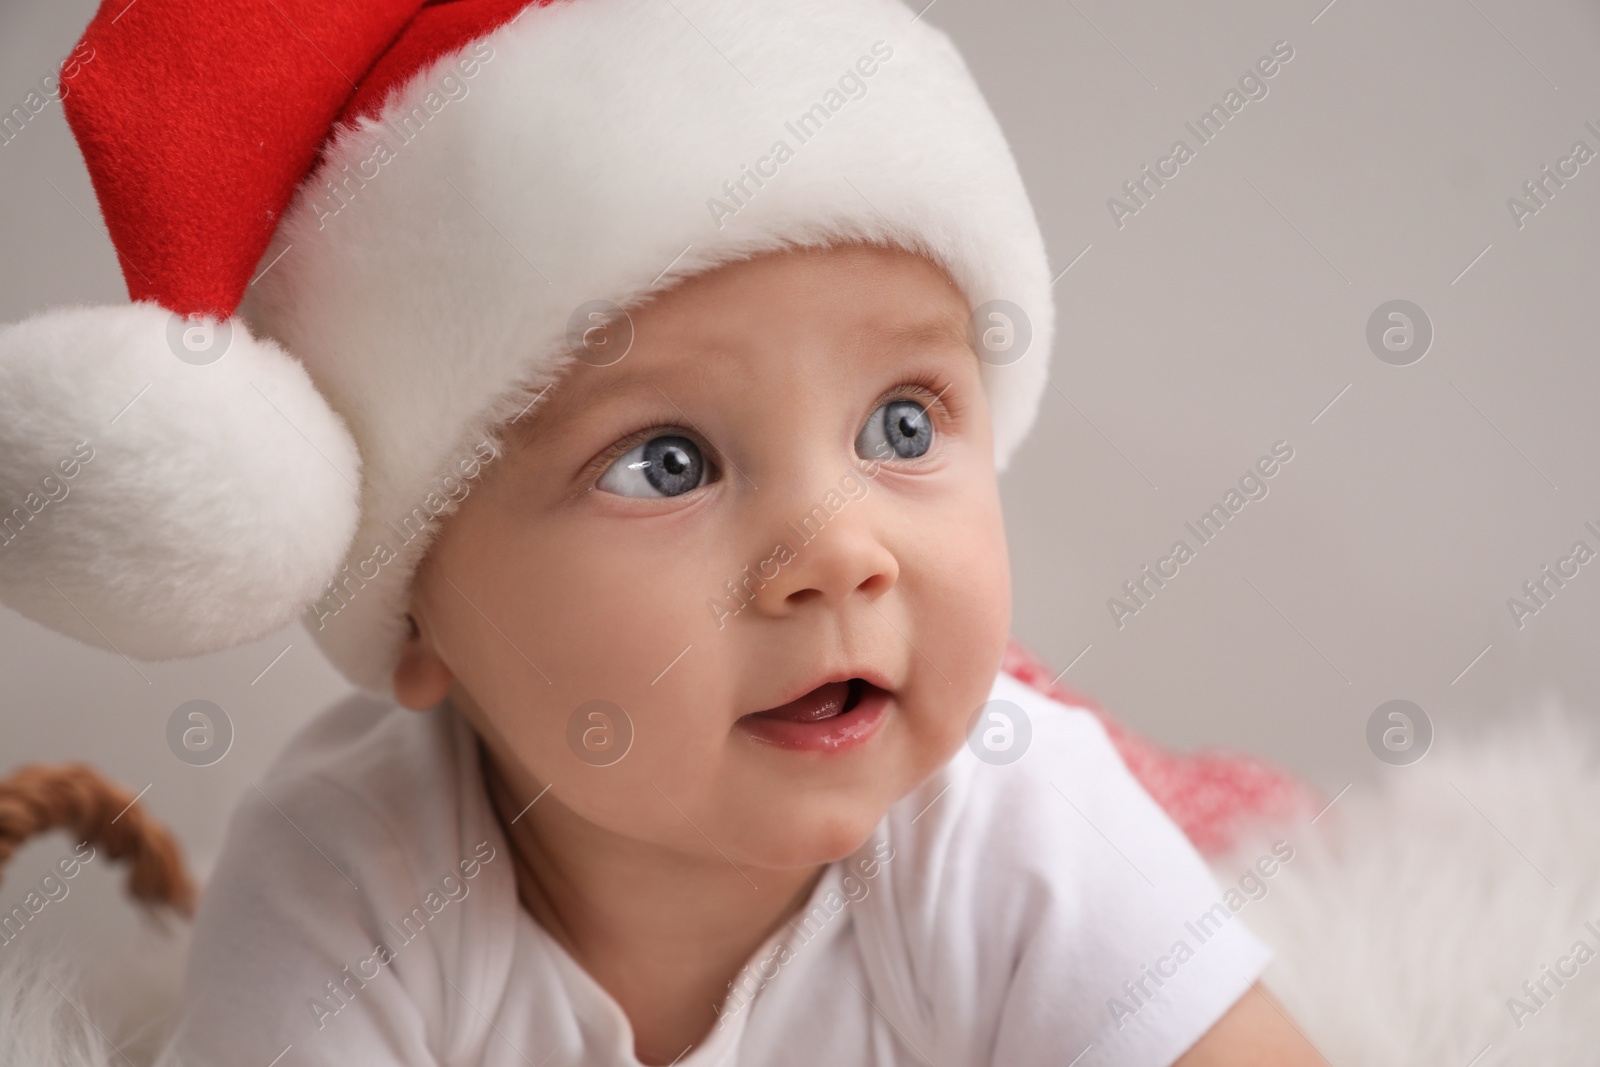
[1010, 914]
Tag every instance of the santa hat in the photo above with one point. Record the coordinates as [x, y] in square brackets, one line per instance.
[362, 235]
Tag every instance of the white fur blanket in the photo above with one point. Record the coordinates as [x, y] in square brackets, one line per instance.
[1448, 912]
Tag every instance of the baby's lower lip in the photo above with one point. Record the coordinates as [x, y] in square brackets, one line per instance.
[817, 723]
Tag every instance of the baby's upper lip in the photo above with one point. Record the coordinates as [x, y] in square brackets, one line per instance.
[841, 674]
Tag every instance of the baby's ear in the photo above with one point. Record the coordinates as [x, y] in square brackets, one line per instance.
[421, 678]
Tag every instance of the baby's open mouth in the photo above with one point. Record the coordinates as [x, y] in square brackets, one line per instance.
[823, 702]
[833, 716]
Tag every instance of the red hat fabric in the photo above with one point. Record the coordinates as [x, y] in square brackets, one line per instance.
[232, 102]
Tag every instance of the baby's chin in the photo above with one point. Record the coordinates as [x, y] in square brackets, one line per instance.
[797, 819]
[812, 838]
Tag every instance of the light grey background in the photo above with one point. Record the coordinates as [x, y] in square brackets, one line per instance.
[1224, 316]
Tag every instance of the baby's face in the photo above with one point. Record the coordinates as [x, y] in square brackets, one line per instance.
[788, 480]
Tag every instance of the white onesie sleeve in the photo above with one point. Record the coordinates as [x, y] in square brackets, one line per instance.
[1047, 911]
[349, 879]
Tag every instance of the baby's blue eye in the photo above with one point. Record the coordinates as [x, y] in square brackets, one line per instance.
[900, 429]
[663, 466]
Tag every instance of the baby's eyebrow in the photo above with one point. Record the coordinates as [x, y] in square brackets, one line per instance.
[567, 400]
[591, 392]
[936, 331]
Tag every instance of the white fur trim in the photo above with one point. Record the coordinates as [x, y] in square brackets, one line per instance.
[576, 163]
[160, 507]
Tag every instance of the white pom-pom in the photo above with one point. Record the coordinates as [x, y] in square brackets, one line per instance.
[167, 487]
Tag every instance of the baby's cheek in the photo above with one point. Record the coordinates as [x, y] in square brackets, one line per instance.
[968, 570]
[966, 623]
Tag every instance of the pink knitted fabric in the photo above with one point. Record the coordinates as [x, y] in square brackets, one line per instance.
[1212, 794]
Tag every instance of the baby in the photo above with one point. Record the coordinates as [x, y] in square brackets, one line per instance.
[686, 739]
[626, 828]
